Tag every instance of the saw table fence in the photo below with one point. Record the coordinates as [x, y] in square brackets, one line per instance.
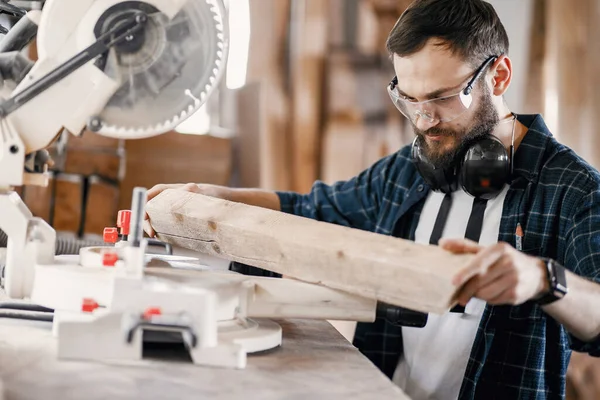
[388, 269]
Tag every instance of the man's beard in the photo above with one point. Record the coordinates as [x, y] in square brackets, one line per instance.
[484, 121]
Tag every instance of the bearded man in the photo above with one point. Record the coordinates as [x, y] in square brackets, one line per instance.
[478, 178]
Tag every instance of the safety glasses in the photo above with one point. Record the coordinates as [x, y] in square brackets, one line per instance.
[440, 109]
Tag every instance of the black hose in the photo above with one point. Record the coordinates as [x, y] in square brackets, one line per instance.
[29, 316]
[24, 307]
[68, 245]
[64, 245]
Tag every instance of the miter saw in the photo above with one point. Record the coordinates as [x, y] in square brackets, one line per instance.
[129, 70]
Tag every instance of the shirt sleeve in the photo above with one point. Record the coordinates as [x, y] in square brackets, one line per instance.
[583, 254]
[354, 203]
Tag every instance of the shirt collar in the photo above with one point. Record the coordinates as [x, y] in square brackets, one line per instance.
[530, 154]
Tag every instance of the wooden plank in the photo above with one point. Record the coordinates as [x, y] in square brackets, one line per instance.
[343, 148]
[91, 140]
[571, 75]
[267, 66]
[361, 127]
[387, 12]
[68, 203]
[108, 164]
[39, 200]
[175, 158]
[308, 47]
[368, 30]
[388, 269]
[248, 140]
[593, 129]
[342, 155]
[307, 125]
[535, 93]
[278, 298]
[566, 73]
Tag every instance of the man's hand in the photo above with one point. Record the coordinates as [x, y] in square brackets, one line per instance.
[498, 274]
[158, 189]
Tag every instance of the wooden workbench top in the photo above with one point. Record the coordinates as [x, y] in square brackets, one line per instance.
[314, 362]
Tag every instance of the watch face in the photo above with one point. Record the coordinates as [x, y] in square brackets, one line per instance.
[559, 279]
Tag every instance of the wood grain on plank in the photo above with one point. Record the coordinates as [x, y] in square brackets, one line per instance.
[371, 265]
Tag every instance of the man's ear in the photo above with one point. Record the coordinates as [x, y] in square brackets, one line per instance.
[501, 75]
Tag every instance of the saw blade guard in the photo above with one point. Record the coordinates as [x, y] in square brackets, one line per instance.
[167, 71]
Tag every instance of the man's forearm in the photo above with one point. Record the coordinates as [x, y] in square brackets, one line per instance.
[579, 310]
[254, 197]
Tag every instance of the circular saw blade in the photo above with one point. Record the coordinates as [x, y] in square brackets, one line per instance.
[168, 72]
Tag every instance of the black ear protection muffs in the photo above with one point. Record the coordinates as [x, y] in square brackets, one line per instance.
[481, 169]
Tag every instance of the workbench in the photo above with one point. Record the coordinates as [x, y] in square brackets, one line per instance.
[314, 362]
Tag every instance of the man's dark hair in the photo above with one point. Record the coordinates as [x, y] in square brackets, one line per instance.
[470, 29]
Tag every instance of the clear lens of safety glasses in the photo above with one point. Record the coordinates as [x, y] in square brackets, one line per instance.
[441, 109]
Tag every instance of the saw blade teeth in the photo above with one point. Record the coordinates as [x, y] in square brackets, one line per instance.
[215, 15]
[163, 127]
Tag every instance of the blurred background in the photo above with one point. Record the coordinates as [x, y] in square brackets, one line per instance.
[304, 98]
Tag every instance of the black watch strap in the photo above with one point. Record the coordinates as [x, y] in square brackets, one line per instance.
[557, 282]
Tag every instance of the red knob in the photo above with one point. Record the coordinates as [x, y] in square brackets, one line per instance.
[152, 311]
[123, 221]
[110, 235]
[109, 259]
[89, 305]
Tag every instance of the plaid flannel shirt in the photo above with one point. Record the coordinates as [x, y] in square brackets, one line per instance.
[519, 352]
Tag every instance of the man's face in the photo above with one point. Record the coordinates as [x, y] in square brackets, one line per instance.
[434, 72]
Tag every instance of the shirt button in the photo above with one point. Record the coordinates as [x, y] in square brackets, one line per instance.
[420, 188]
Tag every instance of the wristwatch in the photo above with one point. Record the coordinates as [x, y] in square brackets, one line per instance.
[557, 282]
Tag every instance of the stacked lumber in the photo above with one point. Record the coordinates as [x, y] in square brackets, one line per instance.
[82, 194]
[568, 57]
[263, 106]
[174, 158]
[360, 126]
[316, 87]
